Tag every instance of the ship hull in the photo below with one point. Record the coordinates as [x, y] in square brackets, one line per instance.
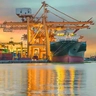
[69, 59]
[68, 51]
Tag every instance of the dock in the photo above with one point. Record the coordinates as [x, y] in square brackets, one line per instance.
[23, 61]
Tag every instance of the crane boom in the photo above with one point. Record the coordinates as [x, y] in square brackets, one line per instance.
[81, 26]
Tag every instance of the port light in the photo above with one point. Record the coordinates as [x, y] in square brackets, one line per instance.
[60, 34]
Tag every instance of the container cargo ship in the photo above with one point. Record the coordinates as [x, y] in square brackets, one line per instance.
[68, 48]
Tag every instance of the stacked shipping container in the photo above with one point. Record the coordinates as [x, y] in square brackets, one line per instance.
[7, 56]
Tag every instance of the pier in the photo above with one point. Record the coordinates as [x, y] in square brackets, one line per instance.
[23, 61]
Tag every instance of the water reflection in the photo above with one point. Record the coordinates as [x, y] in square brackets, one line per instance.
[41, 80]
[57, 81]
[13, 80]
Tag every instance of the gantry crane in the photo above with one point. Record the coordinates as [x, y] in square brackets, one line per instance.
[40, 31]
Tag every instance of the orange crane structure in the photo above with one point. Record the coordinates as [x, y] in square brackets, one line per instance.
[40, 31]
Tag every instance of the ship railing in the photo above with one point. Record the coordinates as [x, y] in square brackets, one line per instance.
[67, 40]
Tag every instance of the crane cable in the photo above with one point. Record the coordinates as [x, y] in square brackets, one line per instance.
[39, 18]
[81, 26]
[60, 17]
[38, 11]
[57, 16]
[64, 47]
[63, 13]
[58, 49]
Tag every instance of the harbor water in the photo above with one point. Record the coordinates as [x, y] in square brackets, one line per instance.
[48, 79]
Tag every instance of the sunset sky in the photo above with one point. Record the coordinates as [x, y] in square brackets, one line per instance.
[80, 9]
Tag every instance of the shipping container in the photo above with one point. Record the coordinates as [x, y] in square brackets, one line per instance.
[7, 56]
[0, 56]
[19, 55]
[14, 55]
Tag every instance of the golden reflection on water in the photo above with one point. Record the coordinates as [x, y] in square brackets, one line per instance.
[57, 81]
[60, 79]
[40, 80]
[13, 80]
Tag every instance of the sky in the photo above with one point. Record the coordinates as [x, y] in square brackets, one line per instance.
[81, 10]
